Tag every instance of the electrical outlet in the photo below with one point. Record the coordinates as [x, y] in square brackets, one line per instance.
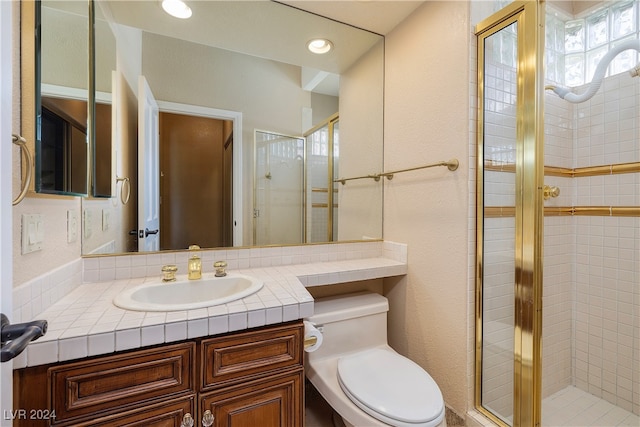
[72, 226]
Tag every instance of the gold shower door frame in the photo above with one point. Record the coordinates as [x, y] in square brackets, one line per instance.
[332, 175]
[529, 174]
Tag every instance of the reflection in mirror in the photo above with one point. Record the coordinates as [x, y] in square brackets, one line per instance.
[247, 63]
[61, 97]
[104, 67]
[278, 206]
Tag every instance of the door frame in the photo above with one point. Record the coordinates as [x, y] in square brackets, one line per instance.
[6, 189]
[236, 118]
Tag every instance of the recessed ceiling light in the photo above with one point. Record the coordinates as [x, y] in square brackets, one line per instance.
[177, 8]
[319, 46]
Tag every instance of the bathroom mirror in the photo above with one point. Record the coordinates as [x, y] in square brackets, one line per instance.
[64, 145]
[248, 59]
[62, 91]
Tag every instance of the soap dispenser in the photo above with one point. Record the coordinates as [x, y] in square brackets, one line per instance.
[195, 263]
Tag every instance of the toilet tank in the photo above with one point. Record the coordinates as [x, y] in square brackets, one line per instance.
[350, 322]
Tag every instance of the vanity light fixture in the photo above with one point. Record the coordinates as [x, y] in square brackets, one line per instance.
[177, 8]
[319, 46]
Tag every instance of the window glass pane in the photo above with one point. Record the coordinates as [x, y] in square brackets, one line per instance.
[559, 29]
[574, 36]
[593, 59]
[597, 29]
[624, 61]
[623, 20]
[574, 70]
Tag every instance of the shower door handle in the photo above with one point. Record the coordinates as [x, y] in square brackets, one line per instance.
[549, 191]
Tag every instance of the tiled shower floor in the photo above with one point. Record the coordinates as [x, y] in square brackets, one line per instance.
[572, 407]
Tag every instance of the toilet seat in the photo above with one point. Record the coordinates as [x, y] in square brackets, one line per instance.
[391, 388]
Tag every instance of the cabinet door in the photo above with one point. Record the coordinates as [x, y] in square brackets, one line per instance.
[274, 402]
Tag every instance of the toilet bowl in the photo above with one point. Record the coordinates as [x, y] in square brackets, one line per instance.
[363, 379]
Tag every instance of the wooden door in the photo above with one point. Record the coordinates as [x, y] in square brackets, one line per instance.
[195, 181]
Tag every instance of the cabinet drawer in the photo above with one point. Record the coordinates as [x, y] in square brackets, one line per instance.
[275, 401]
[119, 382]
[165, 414]
[227, 360]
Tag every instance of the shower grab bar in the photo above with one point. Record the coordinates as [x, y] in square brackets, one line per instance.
[24, 151]
[451, 165]
[343, 181]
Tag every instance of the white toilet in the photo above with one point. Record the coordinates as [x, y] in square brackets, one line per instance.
[360, 376]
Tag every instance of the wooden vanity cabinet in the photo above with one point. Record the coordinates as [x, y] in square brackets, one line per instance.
[246, 379]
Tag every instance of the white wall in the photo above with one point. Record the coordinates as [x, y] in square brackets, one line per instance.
[427, 120]
[56, 250]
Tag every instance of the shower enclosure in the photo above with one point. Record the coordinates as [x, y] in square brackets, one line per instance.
[278, 208]
[558, 208]
[295, 188]
[323, 153]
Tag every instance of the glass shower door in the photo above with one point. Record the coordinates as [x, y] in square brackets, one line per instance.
[499, 226]
[508, 226]
[278, 189]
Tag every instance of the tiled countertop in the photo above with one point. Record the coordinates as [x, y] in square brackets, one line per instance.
[86, 323]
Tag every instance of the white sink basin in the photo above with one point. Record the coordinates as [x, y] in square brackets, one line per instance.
[185, 294]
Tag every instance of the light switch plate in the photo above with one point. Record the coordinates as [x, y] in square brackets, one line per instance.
[32, 233]
[72, 226]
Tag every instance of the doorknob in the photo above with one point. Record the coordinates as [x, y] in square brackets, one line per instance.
[145, 233]
[550, 191]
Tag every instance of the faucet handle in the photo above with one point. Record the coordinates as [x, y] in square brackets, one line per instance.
[220, 267]
[169, 273]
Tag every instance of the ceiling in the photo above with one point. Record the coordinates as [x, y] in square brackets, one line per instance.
[270, 30]
[378, 16]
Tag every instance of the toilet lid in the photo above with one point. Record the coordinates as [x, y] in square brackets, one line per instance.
[385, 384]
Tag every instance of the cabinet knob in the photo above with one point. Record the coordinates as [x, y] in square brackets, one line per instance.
[187, 420]
[207, 419]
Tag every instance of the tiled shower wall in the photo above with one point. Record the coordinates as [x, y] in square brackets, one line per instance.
[606, 353]
[591, 263]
